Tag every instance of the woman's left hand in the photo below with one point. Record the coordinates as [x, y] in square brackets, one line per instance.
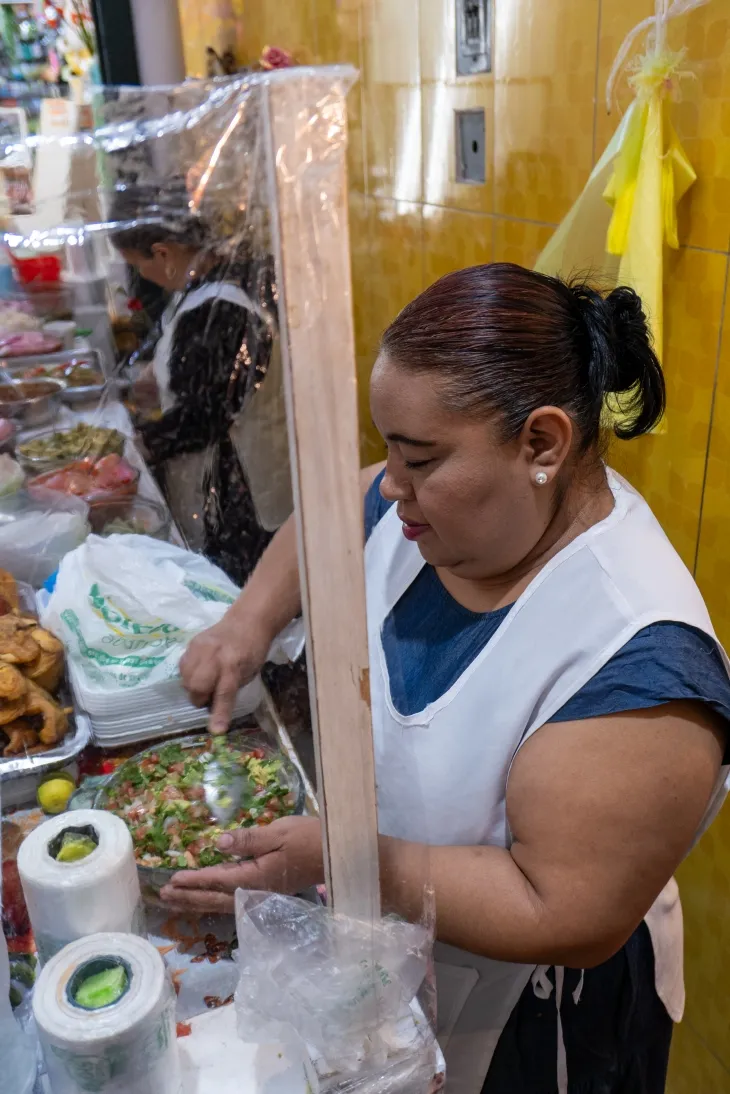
[284, 857]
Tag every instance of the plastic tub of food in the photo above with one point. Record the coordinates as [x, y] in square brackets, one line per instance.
[56, 448]
[130, 516]
[143, 791]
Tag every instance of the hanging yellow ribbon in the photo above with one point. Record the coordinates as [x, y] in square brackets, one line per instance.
[617, 228]
[651, 174]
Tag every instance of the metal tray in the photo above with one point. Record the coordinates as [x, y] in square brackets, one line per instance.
[72, 396]
[48, 360]
[75, 741]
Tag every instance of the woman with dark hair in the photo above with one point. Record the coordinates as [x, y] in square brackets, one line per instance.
[222, 428]
[550, 704]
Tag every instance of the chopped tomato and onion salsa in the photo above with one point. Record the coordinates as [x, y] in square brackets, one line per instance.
[161, 798]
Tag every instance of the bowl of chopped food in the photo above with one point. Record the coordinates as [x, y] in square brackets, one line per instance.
[58, 447]
[31, 402]
[130, 516]
[93, 480]
[161, 796]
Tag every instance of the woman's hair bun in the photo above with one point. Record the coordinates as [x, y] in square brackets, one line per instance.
[621, 357]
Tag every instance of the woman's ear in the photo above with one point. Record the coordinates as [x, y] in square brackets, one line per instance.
[160, 250]
[547, 437]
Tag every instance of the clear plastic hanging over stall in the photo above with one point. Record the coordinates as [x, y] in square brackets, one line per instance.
[178, 396]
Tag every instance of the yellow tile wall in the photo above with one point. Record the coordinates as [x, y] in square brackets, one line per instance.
[411, 222]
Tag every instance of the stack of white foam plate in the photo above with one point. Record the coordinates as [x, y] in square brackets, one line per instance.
[143, 714]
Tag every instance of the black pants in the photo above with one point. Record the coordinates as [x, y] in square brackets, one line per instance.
[617, 1037]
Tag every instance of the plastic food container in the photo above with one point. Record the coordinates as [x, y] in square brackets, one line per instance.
[152, 879]
[130, 516]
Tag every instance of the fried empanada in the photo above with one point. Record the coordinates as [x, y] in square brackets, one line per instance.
[9, 711]
[47, 641]
[55, 721]
[13, 684]
[46, 671]
[22, 738]
[17, 647]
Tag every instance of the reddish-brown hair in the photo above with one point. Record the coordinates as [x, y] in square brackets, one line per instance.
[506, 340]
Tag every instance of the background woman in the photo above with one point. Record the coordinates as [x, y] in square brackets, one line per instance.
[217, 346]
[550, 704]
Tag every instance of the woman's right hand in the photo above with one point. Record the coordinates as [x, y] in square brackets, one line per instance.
[145, 393]
[220, 661]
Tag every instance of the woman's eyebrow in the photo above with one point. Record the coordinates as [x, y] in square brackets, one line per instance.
[399, 438]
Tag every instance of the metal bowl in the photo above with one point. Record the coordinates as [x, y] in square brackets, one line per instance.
[28, 409]
[146, 518]
[154, 878]
[90, 393]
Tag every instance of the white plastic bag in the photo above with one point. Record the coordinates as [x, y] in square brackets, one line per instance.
[339, 991]
[127, 606]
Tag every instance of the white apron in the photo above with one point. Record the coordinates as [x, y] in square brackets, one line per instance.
[256, 433]
[442, 773]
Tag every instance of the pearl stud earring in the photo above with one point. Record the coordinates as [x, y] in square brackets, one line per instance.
[541, 478]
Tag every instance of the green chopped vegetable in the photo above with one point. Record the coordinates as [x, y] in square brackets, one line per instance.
[74, 444]
[102, 989]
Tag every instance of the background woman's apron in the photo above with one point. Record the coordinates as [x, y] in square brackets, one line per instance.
[258, 433]
[442, 773]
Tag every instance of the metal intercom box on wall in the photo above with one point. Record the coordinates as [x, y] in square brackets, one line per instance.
[471, 139]
[473, 36]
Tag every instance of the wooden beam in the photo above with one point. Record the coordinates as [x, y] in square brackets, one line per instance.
[307, 119]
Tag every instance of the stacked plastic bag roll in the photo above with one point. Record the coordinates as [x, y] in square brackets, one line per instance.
[68, 900]
[126, 1047]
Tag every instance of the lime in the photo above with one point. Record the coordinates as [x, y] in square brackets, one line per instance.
[102, 989]
[54, 794]
[75, 848]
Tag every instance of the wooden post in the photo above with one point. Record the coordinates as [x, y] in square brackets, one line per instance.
[307, 121]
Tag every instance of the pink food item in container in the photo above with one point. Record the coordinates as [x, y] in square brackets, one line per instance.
[93, 480]
[28, 344]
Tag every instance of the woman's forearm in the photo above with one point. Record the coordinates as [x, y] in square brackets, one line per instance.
[272, 596]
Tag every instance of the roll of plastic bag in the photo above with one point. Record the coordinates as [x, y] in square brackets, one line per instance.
[127, 1046]
[69, 900]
